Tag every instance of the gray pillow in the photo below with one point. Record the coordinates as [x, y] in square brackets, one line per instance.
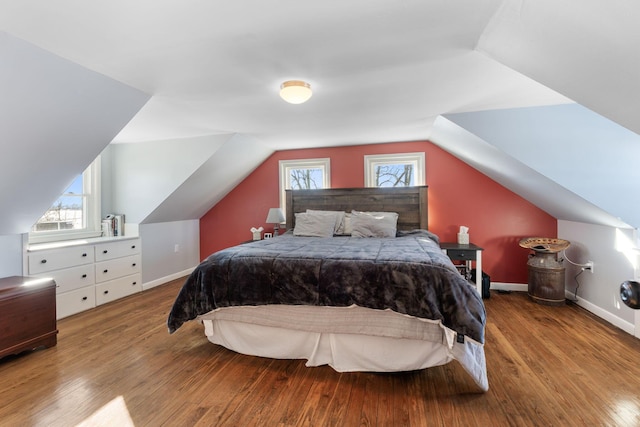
[314, 225]
[373, 224]
[337, 215]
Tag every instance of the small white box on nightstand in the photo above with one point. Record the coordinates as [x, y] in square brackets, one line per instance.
[463, 238]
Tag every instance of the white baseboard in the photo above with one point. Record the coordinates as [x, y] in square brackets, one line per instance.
[515, 287]
[166, 279]
[603, 314]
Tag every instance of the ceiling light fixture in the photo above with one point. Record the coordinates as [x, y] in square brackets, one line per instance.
[295, 91]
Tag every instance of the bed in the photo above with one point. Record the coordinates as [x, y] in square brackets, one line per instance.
[377, 296]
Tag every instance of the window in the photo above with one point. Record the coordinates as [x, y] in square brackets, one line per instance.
[303, 174]
[394, 170]
[76, 213]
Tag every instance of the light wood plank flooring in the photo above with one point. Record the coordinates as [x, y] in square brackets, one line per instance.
[117, 365]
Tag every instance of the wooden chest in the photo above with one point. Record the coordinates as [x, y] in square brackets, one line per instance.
[27, 314]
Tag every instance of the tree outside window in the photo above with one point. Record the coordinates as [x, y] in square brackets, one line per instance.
[394, 175]
[394, 170]
[306, 179]
[306, 174]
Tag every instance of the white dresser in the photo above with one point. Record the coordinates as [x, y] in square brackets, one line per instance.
[89, 274]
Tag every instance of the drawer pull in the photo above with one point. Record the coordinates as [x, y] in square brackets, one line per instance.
[133, 265]
[134, 283]
[105, 251]
[84, 255]
[105, 271]
[106, 292]
[44, 261]
[84, 298]
[84, 276]
[133, 246]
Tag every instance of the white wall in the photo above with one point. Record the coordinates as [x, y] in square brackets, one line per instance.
[11, 255]
[169, 250]
[612, 251]
[144, 174]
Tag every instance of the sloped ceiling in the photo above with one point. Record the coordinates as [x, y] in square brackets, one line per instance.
[55, 118]
[381, 71]
[589, 155]
[196, 174]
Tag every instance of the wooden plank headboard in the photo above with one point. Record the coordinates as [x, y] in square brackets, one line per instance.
[409, 202]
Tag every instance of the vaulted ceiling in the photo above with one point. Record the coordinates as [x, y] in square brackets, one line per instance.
[381, 71]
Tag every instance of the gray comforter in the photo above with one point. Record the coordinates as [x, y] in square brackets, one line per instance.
[408, 274]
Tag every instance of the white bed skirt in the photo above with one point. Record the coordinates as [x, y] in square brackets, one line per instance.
[346, 338]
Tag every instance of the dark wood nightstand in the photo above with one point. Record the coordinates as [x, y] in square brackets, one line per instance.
[467, 253]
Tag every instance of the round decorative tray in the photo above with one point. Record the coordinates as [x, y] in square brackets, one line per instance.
[544, 244]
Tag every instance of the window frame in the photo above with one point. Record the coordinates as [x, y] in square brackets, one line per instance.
[91, 211]
[285, 166]
[417, 160]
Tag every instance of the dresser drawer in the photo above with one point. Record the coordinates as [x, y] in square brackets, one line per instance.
[44, 261]
[118, 288]
[119, 267]
[73, 278]
[75, 301]
[118, 249]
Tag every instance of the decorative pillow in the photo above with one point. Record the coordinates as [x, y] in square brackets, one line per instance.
[314, 225]
[338, 215]
[347, 224]
[374, 224]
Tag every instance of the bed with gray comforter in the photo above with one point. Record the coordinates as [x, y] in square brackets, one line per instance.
[408, 274]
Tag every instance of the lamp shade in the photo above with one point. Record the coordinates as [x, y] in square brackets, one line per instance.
[275, 216]
[295, 91]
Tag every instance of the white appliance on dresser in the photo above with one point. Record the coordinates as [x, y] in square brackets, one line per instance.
[90, 273]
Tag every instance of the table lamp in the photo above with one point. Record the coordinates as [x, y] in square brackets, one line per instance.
[275, 217]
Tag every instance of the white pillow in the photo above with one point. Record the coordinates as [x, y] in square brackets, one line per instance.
[337, 215]
[347, 224]
[314, 225]
[374, 224]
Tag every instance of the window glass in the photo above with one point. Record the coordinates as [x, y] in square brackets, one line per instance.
[303, 174]
[305, 178]
[394, 170]
[75, 214]
[66, 213]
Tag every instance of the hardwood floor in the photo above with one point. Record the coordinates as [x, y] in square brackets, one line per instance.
[117, 365]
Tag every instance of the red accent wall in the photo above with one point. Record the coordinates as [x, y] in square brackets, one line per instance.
[458, 195]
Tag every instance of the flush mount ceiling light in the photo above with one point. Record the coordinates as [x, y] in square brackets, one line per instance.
[295, 91]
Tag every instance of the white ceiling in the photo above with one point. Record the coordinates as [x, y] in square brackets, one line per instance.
[381, 70]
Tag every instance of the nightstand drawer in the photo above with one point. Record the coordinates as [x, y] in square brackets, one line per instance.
[462, 254]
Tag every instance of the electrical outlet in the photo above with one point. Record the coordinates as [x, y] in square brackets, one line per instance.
[588, 266]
